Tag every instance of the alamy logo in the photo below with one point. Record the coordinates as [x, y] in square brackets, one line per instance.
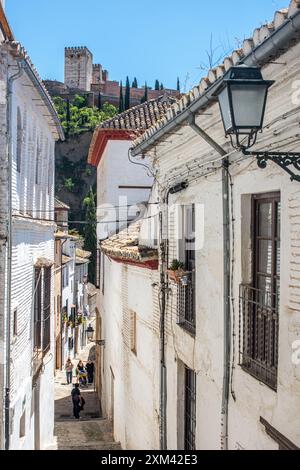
[296, 353]
[296, 92]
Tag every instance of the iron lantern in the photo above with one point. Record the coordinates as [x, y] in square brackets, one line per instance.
[90, 332]
[242, 98]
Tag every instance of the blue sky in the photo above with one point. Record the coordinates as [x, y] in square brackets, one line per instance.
[148, 39]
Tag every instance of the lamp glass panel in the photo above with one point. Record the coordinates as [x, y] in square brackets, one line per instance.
[225, 109]
[248, 102]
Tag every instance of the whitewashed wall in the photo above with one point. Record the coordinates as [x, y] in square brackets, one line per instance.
[136, 376]
[33, 238]
[113, 171]
[204, 354]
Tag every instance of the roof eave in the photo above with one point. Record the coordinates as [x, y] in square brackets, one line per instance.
[270, 47]
[20, 54]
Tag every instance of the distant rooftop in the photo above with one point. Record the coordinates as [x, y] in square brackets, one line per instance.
[142, 116]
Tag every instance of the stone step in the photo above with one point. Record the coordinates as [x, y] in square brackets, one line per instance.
[92, 446]
[93, 434]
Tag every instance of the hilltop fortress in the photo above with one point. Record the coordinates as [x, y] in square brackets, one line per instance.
[84, 77]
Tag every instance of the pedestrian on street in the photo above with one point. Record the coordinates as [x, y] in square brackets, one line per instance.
[90, 371]
[69, 371]
[81, 373]
[76, 399]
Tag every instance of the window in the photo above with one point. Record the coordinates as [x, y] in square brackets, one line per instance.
[19, 140]
[133, 332]
[190, 410]
[42, 309]
[186, 289]
[260, 299]
[22, 432]
[38, 309]
[47, 310]
[15, 324]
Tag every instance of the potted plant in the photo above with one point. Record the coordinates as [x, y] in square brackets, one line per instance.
[176, 271]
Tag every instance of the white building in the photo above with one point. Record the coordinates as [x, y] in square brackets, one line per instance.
[123, 308]
[72, 289]
[26, 251]
[121, 186]
[231, 353]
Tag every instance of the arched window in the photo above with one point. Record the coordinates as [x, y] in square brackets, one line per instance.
[19, 140]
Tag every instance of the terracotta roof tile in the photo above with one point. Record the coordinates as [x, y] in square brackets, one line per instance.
[142, 116]
[259, 36]
[125, 245]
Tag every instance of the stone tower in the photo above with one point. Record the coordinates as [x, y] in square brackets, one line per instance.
[78, 68]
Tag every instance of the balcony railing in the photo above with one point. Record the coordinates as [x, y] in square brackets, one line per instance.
[259, 334]
[186, 303]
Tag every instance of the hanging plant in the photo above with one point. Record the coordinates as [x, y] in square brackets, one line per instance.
[176, 271]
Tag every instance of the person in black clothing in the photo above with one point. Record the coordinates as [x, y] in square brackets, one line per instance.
[90, 371]
[76, 399]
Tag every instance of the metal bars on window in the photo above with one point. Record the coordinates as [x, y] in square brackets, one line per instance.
[186, 302]
[190, 410]
[259, 302]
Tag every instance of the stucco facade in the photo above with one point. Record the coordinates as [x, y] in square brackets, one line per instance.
[28, 138]
[119, 186]
[250, 400]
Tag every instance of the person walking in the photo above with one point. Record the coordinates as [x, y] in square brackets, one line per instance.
[81, 373]
[76, 399]
[69, 371]
[90, 371]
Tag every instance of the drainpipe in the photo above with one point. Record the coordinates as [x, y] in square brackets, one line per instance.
[163, 369]
[226, 279]
[9, 97]
[164, 257]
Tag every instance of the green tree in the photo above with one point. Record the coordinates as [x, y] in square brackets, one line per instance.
[76, 117]
[121, 100]
[127, 94]
[162, 86]
[145, 97]
[69, 185]
[135, 83]
[156, 85]
[90, 232]
[178, 84]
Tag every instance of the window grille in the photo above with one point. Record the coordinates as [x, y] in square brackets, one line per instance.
[190, 410]
[259, 302]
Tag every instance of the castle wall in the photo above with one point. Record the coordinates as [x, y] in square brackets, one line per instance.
[78, 68]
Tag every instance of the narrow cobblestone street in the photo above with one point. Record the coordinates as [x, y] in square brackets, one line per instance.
[91, 432]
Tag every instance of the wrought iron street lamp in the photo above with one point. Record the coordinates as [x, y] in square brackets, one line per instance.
[90, 335]
[242, 98]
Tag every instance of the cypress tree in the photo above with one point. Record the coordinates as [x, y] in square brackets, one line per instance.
[162, 86]
[178, 84]
[135, 83]
[156, 85]
[68, 118]
[121, 101]
[145, 97]
[90, 232]
[99, 101]
[127, 94]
